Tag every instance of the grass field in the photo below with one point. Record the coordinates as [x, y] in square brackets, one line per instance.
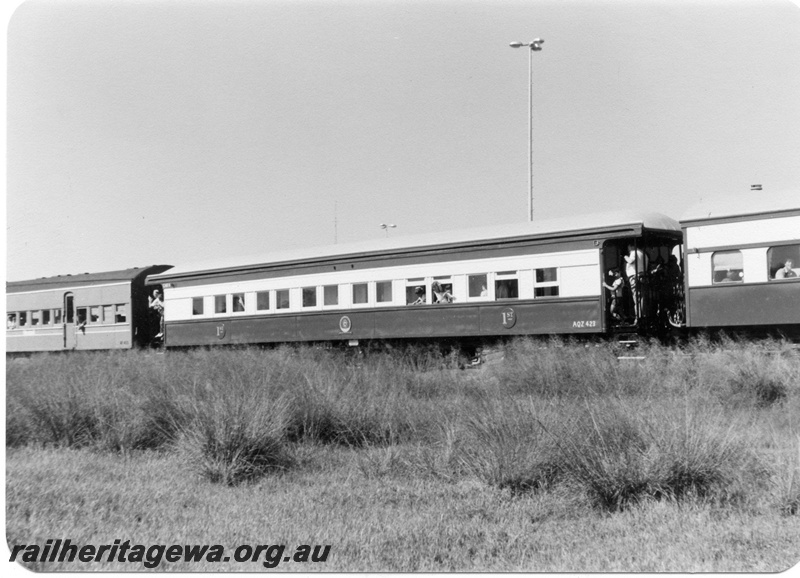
[557, 457]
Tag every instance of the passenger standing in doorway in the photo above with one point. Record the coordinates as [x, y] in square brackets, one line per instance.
[616, 293]
[635, 269]
[157, 305]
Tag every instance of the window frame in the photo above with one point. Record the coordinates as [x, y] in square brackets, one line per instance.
[325, 291]
[384, 283]
[221, 300]
[725, 280]
[501, 276]
[202, 308]
[243, 297]
[544, 285]
[270, 301]
[795, 258]
[355, 303]
[487, 283]
[411, 285]
[311, 293]
[278, 302]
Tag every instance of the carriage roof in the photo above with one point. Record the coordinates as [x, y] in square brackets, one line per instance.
[756, 203]
[82, 279]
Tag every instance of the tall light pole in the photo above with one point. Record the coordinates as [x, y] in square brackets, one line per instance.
[535, 46]
[386, 227]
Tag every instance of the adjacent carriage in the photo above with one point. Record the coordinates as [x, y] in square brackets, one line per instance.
[524, 279]
[90, 311]
[743, 263]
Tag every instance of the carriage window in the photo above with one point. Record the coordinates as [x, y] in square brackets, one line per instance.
[197, 305]
[94, 314]
[506, 285]
[360, 293]
[36, 317]
[383, 291]
[309, 296]
[108, 314]
[121, 314]
[442, 290]
[546, 282]
[262, 300]
[784, 262]
[331, 295]
[415, 291]
[46, 319]
[220, 304]
[282, 299]
[478, 286]
[238, 302]
[11, 323]
[57, 316]
[82, 314]
[727, 267]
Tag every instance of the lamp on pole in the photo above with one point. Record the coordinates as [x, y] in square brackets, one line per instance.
[386, 227]
[535, 46]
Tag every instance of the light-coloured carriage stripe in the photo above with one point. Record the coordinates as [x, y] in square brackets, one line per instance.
[66, 289]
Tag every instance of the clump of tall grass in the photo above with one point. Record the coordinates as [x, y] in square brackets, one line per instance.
[554, 368]
[375, 403]
[788, 479]
[58, 400]
[745, 372]
[503, 444]
[618, 452]
[104, 400]
[623, 454]
[235, 438]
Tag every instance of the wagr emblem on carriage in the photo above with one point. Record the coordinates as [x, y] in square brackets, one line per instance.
[344, 324]
[221, 331]
[509, 317]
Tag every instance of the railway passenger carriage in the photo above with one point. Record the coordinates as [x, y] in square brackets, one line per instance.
[743, 264]
[90, 311]
[528, 278]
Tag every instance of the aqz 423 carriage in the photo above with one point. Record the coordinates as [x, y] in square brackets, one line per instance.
[522, 279]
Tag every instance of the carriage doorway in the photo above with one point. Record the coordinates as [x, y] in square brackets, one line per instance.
[70, 339]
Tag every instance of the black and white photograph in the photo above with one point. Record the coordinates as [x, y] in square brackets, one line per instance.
[361, 286]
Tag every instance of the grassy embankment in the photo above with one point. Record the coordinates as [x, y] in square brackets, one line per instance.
[559, 458]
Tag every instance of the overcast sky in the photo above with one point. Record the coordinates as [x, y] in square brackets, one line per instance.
[152, 131]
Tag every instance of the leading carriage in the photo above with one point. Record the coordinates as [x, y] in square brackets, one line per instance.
[90, 311]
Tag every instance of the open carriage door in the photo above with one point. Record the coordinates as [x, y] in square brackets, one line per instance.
[70, 341]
